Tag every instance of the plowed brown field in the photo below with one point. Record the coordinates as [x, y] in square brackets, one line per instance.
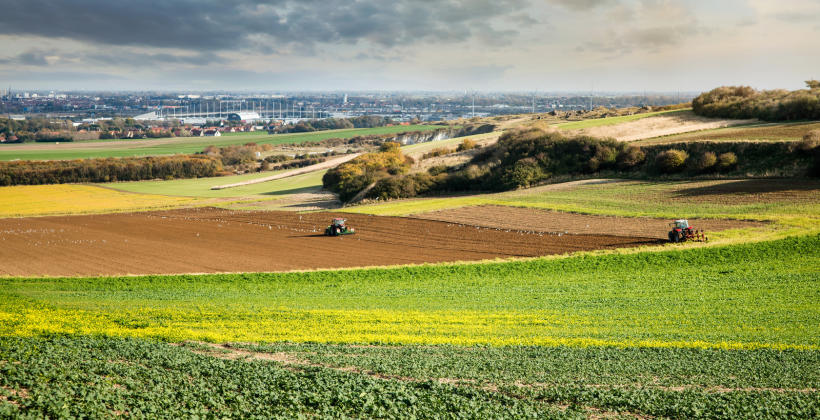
[214, 240]
[535, 220]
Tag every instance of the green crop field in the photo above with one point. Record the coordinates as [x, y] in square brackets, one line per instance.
[201, 187]
[599, 122]
[144, 147]
[106, 377]
[721, 332]
[645, 299]
[102, 378]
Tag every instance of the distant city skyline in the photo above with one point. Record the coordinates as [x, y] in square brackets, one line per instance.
[549, 46]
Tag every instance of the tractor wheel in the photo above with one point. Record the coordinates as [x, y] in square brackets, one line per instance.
[673, 237]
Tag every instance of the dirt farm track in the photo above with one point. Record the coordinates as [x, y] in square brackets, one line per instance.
[215, 240]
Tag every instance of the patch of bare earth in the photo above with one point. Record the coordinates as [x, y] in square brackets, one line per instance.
[660, 125]
[680, 388]
[204, 240]
[17, 394]
[557, 223]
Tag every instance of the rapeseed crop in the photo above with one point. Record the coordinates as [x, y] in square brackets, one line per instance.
[37, 200]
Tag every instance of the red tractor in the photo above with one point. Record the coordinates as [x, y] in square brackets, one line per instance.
[339, 227]
[681, 232]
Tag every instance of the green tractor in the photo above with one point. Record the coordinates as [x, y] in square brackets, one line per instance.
[681, 232]
[338, 227]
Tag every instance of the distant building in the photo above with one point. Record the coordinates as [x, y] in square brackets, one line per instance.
[212, 133]
[245, 116]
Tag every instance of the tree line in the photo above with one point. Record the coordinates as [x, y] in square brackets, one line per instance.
[108, 169]
[527, 157]
[365, 121]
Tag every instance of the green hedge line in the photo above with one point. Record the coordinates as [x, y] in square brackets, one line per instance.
[107, 169]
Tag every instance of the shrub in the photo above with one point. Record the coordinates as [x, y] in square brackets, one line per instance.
[671, 161]
[275, 158]
[438, 169]
[524, 173]
[393, 187]
[726, 161]
[705, 162]
[771, 105]
[810, 141]
[604, 158]
[630, 157]
[439, 151]
[390, 147]
[466, 144]
[350, 178]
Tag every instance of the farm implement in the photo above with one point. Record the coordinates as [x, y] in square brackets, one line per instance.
[682, 232]
[339, 227]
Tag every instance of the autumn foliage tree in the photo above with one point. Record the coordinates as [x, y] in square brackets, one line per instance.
[350, 178]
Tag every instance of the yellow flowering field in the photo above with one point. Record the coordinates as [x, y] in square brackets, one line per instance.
[38, 200]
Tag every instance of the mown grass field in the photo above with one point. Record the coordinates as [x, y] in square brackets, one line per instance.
[145, 147]
[599, 122]
[701, 298]
[755, 132]
[201, 187]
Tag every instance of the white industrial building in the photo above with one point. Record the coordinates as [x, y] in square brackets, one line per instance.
[246, 116]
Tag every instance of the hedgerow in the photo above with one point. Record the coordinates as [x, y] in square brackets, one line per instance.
[107, 169]
[770, 105]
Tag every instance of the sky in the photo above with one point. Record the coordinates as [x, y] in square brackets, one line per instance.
[446, 45]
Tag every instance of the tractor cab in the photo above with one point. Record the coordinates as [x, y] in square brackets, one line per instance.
[680, 224]
[338, 226]
[681, 231]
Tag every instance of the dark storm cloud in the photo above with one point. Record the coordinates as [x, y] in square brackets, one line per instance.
[218, 24]
[28, 58]
[40, 58]
[133, 59]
